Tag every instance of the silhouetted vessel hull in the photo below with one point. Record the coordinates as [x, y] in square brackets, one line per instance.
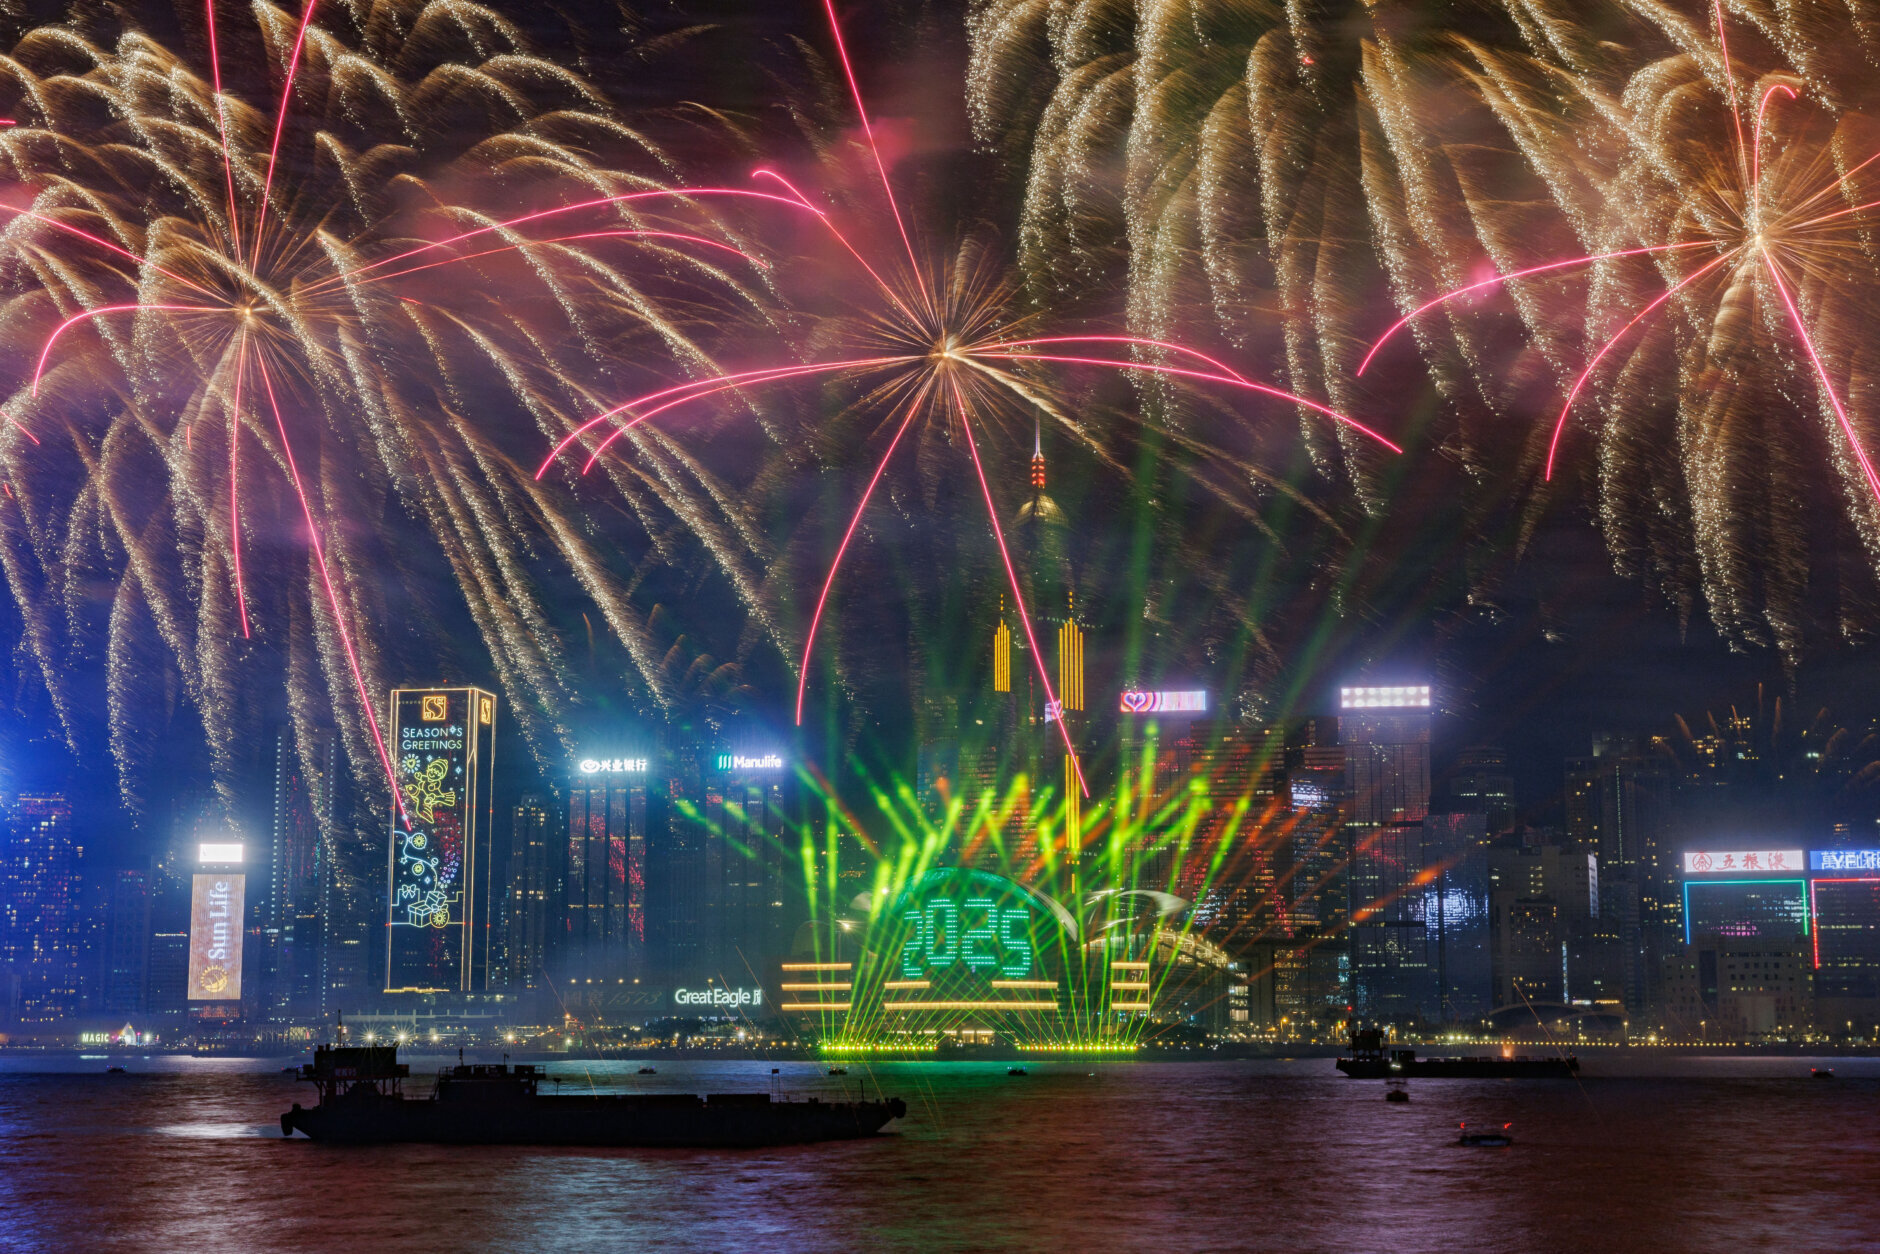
[361, 1104]
[1371, 1061]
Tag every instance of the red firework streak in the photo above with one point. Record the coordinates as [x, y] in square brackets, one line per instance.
[1757, 241]
[951, 354]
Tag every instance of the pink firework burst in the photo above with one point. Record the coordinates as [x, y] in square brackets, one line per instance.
[937, 349]
[1755, 227]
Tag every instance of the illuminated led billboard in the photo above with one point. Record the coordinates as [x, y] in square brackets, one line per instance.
[215, 937]
[1743, 861]
[1164, 702]
[1400, 697]
[443, 746]
[1840, 860]
[964, 942]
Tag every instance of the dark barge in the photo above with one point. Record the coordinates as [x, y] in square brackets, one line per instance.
[362, 1102]
[1371, 1061]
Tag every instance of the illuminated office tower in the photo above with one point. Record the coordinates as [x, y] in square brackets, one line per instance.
[1312, 977]
[443, 746]
[39, 869]
[1618, 805]
[1385, 733]
[125, 962]
[1227, 780]
[300, 847]
[1456, 914]
[1846, 947]
[604, 883]
[725, 890]
[531, 893]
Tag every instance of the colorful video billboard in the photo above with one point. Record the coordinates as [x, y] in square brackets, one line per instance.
[215, 937]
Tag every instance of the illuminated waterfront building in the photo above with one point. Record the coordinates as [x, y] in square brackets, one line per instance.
[531, 892]
[301, 851]
[724, 892]
[1456, 914]
[604, 883]
[1540, 893]
[1618, 805]
[1725, 988]
[124, 963]
[1240, 849]
[1313, 975]
[443, 747]
[39, 898]
[1846, 947]
[1385, 733]
[1747, 908]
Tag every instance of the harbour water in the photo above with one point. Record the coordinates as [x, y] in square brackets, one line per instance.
[1646, 1152]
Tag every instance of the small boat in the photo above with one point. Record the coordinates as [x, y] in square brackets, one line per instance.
[648, 1071]
[1016, 1071]
[1494, 1138]
[838, 1071]
[1396, 1092]
[1822, 1073]
[114, 1071]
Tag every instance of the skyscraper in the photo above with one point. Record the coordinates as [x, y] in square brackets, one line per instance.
[1456, 913]
[532, 890]
[1385, 733]
[39, 885]
[604, 886]
[443, 752]
[125, 961]
[300, 848]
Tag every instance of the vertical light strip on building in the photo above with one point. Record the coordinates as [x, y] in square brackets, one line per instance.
[1002, 657]
[1071, 666]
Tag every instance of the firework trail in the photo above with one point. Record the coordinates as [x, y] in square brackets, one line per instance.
[939, 348]
[287, 311]
[1253, 166]
[1722, 190]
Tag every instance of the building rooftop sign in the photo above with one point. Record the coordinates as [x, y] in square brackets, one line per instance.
[750, 762]
[1401, 697]
[211, 854]
[1164, 702]
[1743, 861]
[612, 766]
[1844, 860]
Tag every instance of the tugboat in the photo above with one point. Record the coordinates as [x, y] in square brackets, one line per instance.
[362, 1102]
[1371, 1061]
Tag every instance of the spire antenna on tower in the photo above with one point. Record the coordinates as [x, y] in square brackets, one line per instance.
[1037, 453]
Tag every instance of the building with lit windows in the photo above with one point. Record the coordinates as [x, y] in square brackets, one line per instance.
[610, 808]
[1385, 733]
[1846, 943]
[39, 900]
[531, 892]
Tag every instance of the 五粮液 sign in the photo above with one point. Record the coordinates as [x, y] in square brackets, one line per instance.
[1743, 861]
